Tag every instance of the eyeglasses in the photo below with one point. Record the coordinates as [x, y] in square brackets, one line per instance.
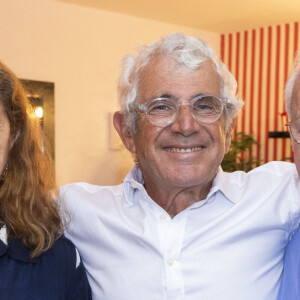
[163, 111]
[294, 127]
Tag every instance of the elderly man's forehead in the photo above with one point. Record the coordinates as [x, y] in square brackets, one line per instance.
[296, 91]
[297, 84]
[164, 76]
[296, 98]
[159, 63]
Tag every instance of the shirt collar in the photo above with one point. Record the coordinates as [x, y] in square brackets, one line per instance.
[15, 248]
[229, 187]
[132, 182]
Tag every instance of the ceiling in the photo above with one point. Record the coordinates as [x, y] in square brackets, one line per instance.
[221, 16]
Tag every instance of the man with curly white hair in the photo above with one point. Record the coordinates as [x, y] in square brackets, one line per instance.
[290, 286]
[179, 227]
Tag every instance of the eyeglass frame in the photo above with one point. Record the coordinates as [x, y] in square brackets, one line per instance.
[143, 107]
[289, 124]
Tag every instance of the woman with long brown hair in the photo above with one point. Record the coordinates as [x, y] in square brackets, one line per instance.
[36, 260]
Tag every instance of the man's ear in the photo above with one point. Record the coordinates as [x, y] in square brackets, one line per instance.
[228, 135]
[125, 135]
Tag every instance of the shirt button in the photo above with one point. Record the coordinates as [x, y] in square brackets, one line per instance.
[163, 217]
[133, 185]
[170, 262]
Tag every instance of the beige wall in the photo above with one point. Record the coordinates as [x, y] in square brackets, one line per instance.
[78, 49]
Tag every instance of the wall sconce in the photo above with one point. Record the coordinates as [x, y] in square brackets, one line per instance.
[38, 112]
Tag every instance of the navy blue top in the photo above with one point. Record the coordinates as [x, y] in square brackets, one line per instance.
[290, 285]
[51, 276]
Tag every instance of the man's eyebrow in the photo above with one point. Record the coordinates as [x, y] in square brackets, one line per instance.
[164, 96]
[168, 96]
[200, 94]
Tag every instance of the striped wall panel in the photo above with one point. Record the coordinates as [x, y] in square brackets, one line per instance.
[260, 60]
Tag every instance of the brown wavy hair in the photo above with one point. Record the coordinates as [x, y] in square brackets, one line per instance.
[27, 193]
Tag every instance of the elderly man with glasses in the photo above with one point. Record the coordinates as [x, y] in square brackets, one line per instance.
[290, 286]
[179, 227]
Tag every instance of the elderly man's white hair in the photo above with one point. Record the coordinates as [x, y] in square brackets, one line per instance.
[189, 53]
[290, 84]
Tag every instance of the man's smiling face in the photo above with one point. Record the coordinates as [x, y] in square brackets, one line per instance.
[186, 153]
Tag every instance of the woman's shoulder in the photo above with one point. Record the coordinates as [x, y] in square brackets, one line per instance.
[66, 258]
[63, 250]
[63, 243]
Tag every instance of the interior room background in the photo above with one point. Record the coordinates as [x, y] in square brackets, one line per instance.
[260, 60]
[78, 49]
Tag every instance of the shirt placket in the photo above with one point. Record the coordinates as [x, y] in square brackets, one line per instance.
[171, 233]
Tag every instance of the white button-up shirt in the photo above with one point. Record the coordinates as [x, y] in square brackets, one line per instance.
[229, 246]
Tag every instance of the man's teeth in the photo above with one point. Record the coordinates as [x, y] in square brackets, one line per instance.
[184, 150]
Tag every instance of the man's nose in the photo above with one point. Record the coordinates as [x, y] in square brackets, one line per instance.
[185, 122]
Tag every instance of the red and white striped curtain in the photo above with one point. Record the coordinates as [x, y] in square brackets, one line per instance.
[260, 60]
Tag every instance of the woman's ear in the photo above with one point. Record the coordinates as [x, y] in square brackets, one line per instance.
[124, 133]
